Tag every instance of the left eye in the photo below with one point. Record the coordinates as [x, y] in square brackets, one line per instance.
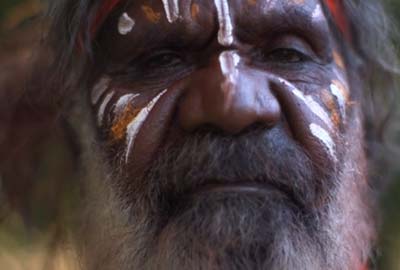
[163, 60]
[285, 55]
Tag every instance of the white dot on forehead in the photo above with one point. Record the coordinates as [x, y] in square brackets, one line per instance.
[125, 24]
[317, 14]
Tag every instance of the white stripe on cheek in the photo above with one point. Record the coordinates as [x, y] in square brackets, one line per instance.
[123, 102]
[323, 136]
[314, 107]
[102, 108]
[125, 24]
[225, 36]
[134, 127]
[99, 89]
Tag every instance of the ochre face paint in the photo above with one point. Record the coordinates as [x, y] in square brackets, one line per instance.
[119, 128]
[150, 14]
[338, 60]
[194, 10]
[330, 103]
[342, 96]
[337, 10]
[335, 7]
[124, 113]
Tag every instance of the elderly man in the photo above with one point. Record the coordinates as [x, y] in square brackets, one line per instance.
[222, 134]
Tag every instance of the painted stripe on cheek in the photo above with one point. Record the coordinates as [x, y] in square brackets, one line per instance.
[338, 91]
[134, 127]
[123, 102]
[323, 136]
[103, 106]
[99, 89]
[314, 107]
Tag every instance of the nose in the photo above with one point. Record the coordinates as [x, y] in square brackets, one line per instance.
[228, 95]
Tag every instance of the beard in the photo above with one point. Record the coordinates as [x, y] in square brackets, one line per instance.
[295, 215]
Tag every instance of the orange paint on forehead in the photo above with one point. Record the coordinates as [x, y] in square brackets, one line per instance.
[150, 14]
[118, 130]
[338, 60]
[195, 9]
[330, 103]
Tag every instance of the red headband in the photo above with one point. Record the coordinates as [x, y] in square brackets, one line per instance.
[337, 10]
[335, 7]
[102, 13]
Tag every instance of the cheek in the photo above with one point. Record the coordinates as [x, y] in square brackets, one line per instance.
[121, 117]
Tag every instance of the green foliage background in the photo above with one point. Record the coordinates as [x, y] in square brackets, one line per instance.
[13, 11]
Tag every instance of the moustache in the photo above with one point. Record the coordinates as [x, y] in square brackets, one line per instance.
[259, 157]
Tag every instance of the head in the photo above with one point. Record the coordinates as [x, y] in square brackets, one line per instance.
[222, 135]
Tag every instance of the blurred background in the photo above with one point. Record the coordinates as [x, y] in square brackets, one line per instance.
[30, 233]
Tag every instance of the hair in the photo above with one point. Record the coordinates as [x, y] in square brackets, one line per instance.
[371, 57]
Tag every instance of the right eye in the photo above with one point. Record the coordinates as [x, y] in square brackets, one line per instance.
[285, 56]
[162, 60]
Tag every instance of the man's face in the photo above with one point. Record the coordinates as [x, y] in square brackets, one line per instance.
[232, 135]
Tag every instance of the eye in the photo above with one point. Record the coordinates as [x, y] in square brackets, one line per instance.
[163, 59]
[286, 56]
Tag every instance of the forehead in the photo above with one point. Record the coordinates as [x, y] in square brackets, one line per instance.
[187, 9]
[199, 21]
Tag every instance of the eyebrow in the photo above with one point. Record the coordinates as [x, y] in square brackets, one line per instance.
[293, 19]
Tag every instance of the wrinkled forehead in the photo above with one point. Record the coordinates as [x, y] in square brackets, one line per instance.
[181, 11]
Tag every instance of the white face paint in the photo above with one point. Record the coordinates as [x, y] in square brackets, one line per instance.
[317, 14]
[102, 108]
[123, 102]
[314, 107]
[99, 89]
[225, 36]
[171, 11]
[125, 24]
[323, 136]
[340, 99]
[134, 127]
[229, 60]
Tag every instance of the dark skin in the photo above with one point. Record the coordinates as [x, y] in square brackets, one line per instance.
[286, 50]
[250, 73]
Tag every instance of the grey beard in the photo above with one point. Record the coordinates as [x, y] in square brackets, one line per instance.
[224, 231]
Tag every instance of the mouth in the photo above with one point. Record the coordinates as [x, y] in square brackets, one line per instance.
[245, 188]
